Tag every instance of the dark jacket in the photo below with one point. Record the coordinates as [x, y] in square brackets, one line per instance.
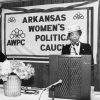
[85, 49]
[2, 57]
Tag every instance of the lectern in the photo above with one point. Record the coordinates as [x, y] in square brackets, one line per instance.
[75, 72]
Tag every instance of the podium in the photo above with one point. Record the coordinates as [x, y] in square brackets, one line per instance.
[75, 73]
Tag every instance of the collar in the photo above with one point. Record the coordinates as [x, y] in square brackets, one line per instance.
[77, 43]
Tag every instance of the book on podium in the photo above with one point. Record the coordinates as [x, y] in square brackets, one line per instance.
[75, 73]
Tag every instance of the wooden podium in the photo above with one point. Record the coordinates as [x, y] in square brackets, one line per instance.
[75, 73]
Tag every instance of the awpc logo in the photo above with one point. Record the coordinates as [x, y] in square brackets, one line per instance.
[16, 38]
[17, 34]
[78, 16]
[11, 20]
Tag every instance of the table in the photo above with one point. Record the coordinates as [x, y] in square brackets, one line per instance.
[94, 96]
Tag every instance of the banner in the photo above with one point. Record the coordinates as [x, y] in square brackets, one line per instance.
[41, 33]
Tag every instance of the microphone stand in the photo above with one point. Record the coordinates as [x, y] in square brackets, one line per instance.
[52, 87]
[53, 92]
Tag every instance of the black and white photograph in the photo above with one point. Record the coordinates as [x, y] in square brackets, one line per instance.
[49, 50]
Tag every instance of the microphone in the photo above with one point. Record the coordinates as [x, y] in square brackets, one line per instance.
[55, 84]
